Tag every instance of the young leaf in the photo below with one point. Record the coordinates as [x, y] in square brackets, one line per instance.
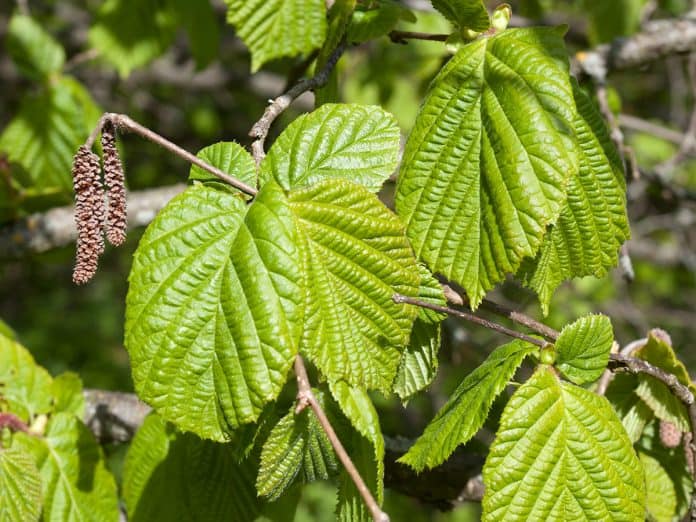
[229, 157]
[32, 49]
[25, 387]
[419, 361]
[659, 352]
[561, 454]
[76, 483]
[131, 33]
[296, 445]
[486, 166]
[44, 135]
[177, 476]
[631, 409]
[359, 143]
[661, 498]
[20, 487]
[593, 223]
[465, 14]
[355, 257]
[467, 408]
[212, 308]
[356, 405]
[583, 348]
[275, 28]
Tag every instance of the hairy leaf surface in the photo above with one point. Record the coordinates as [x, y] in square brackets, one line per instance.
[32, 49]
[355, 257]
[583, 348]
[77, 485]
[486, 166]
[275, 28]
[465, 14]
[20, 487]
[593, 223]
[359, 143]
[466, 410]
[561, 454]
[297, 445]
[176, 476]
[212, 308]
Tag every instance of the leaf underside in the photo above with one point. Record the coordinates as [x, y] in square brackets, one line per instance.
[486, 166]
[211, 313]
[561, 454]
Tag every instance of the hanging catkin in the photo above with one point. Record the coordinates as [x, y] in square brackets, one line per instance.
[116, 220]
[89, 214]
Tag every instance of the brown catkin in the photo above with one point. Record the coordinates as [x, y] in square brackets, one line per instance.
[89, 214]
[116, 221]
[669, 434]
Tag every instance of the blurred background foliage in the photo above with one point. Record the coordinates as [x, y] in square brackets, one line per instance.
[176, 67]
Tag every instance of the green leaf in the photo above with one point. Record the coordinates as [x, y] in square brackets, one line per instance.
[661, 498]
[297, 445]
[20, 487]
[593, 224]
[32, 49]
[229, 157]
[350, 506]
[76, 483]
[609, 20]
[131, 33]
[465, 14]
[44, 135]
[419, 361]
[356, 405]
[212, 308]
[201, 25]
[467, 408]
[176, 476]
[359, 143]
[275, 28]
[583, 348]
[485, 168]
[368, 24]
[339, 17]
[633, 412]
[355, 257]
[25, 387]
[561, 454]
[659, 352]
[66, 390]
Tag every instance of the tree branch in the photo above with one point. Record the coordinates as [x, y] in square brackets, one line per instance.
[125, 123]
[259, 131]
[55, 228]
[305, 398]
[398, 298]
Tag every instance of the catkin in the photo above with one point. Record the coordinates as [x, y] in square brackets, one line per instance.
[670, 435]
[116, 221]
[89, 214]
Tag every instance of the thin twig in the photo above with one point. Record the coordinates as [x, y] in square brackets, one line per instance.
[305, 397]
[456, 298]
[401, 37]
[80, 58]
[11, 421]
[260, 129]
[23, 7]
[125, 123]
[398, 298]
[634, 123]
